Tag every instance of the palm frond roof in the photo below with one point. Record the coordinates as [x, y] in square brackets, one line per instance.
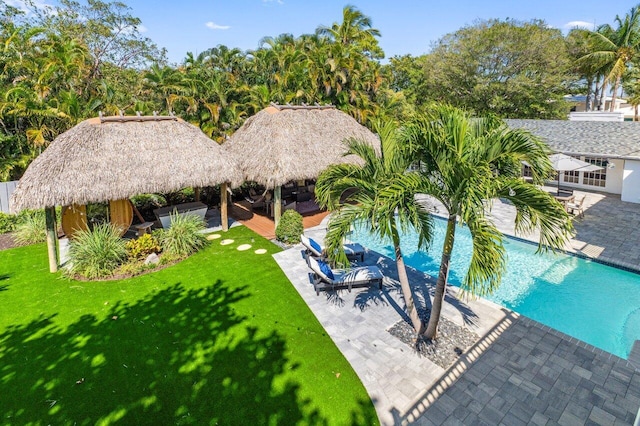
[113, 158]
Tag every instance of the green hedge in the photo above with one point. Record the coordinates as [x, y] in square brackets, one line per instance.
[290, 227]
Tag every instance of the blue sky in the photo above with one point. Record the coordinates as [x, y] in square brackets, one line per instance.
[407, 26]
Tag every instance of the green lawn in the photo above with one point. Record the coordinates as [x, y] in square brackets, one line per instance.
[221, 338]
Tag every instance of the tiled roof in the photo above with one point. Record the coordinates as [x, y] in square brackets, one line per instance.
[595, 138]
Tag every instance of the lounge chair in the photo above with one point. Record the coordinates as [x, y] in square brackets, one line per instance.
[354, 251]
[324, 278]
[575, 207]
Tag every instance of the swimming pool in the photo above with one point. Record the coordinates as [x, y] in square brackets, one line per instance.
[590, 301]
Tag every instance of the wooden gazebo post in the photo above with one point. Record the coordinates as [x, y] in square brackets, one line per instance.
[223, 206]
[52, 238]
[277, 205]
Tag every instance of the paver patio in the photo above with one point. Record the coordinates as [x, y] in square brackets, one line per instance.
[519, 371]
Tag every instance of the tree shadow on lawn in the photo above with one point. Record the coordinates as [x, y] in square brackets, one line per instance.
[177, 356]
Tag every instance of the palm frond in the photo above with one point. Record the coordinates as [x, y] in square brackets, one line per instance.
[488, 261]
[537, 209]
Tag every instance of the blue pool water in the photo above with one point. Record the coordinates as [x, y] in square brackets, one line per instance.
[590, 301]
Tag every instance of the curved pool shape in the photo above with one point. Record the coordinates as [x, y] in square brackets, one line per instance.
[590, 301]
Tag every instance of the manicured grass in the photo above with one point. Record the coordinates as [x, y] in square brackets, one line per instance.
[221, 338]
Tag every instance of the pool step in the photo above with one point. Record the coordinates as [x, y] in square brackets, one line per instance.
[634, 356]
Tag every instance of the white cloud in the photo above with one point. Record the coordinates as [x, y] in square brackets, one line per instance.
[142, 29]
[580, 24]
[273, 1]
[214, 26]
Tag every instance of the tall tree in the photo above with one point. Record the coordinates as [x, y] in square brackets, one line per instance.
[578, 45]
[354, 30]
[631, 86]
[613, 49]
[109, 30]
[467, 162]
[508, 68]
[370, 204]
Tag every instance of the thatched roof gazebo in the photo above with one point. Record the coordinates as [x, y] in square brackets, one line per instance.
[283, 143]
[114, 158]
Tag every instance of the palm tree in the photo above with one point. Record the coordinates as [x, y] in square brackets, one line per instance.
[355, 29]
[466, 163]
[358, 194]
[578, 45]
[171, 83]
[614, 49]
[631, 86]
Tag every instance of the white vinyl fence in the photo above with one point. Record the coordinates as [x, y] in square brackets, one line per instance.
[6, 188]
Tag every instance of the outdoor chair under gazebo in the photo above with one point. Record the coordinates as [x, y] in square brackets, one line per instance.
[286, 143]
[107, 159]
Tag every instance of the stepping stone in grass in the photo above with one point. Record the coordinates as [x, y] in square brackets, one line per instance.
[226, 242]
[260, 251]
[213, 237]
[244, 247]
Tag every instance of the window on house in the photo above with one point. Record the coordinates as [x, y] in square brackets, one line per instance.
[599, 177]
[526, 171]
[572, 177]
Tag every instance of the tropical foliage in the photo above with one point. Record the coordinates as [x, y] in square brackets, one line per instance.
[142, 246]
[611, 53]
[508, 68]
[290, 227]
[30, 228]
[184, 237]
[369, 195]
[98, 252]
[465, 164]
[59, 66]
[65, 63]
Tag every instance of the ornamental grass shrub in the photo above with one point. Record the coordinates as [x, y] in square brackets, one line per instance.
[97, 253]
[31, 228]
[184, 237]
[290, 227]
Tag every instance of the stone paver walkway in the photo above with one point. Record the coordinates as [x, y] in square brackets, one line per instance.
[532, 374]
[519, 371]
[393, 374]
[609, 230]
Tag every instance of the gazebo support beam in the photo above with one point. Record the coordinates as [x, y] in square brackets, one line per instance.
[224, 206]
[277, 204]
[52, 238]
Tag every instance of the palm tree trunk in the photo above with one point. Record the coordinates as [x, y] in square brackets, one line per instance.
[603, 91]
[404, 284]
[588, 100]
[612, 107]
[635, 113]
[443, 275]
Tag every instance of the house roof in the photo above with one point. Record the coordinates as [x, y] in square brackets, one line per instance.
[612, 139]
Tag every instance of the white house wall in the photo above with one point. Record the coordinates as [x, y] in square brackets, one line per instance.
[613, 184]
[631, 181]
